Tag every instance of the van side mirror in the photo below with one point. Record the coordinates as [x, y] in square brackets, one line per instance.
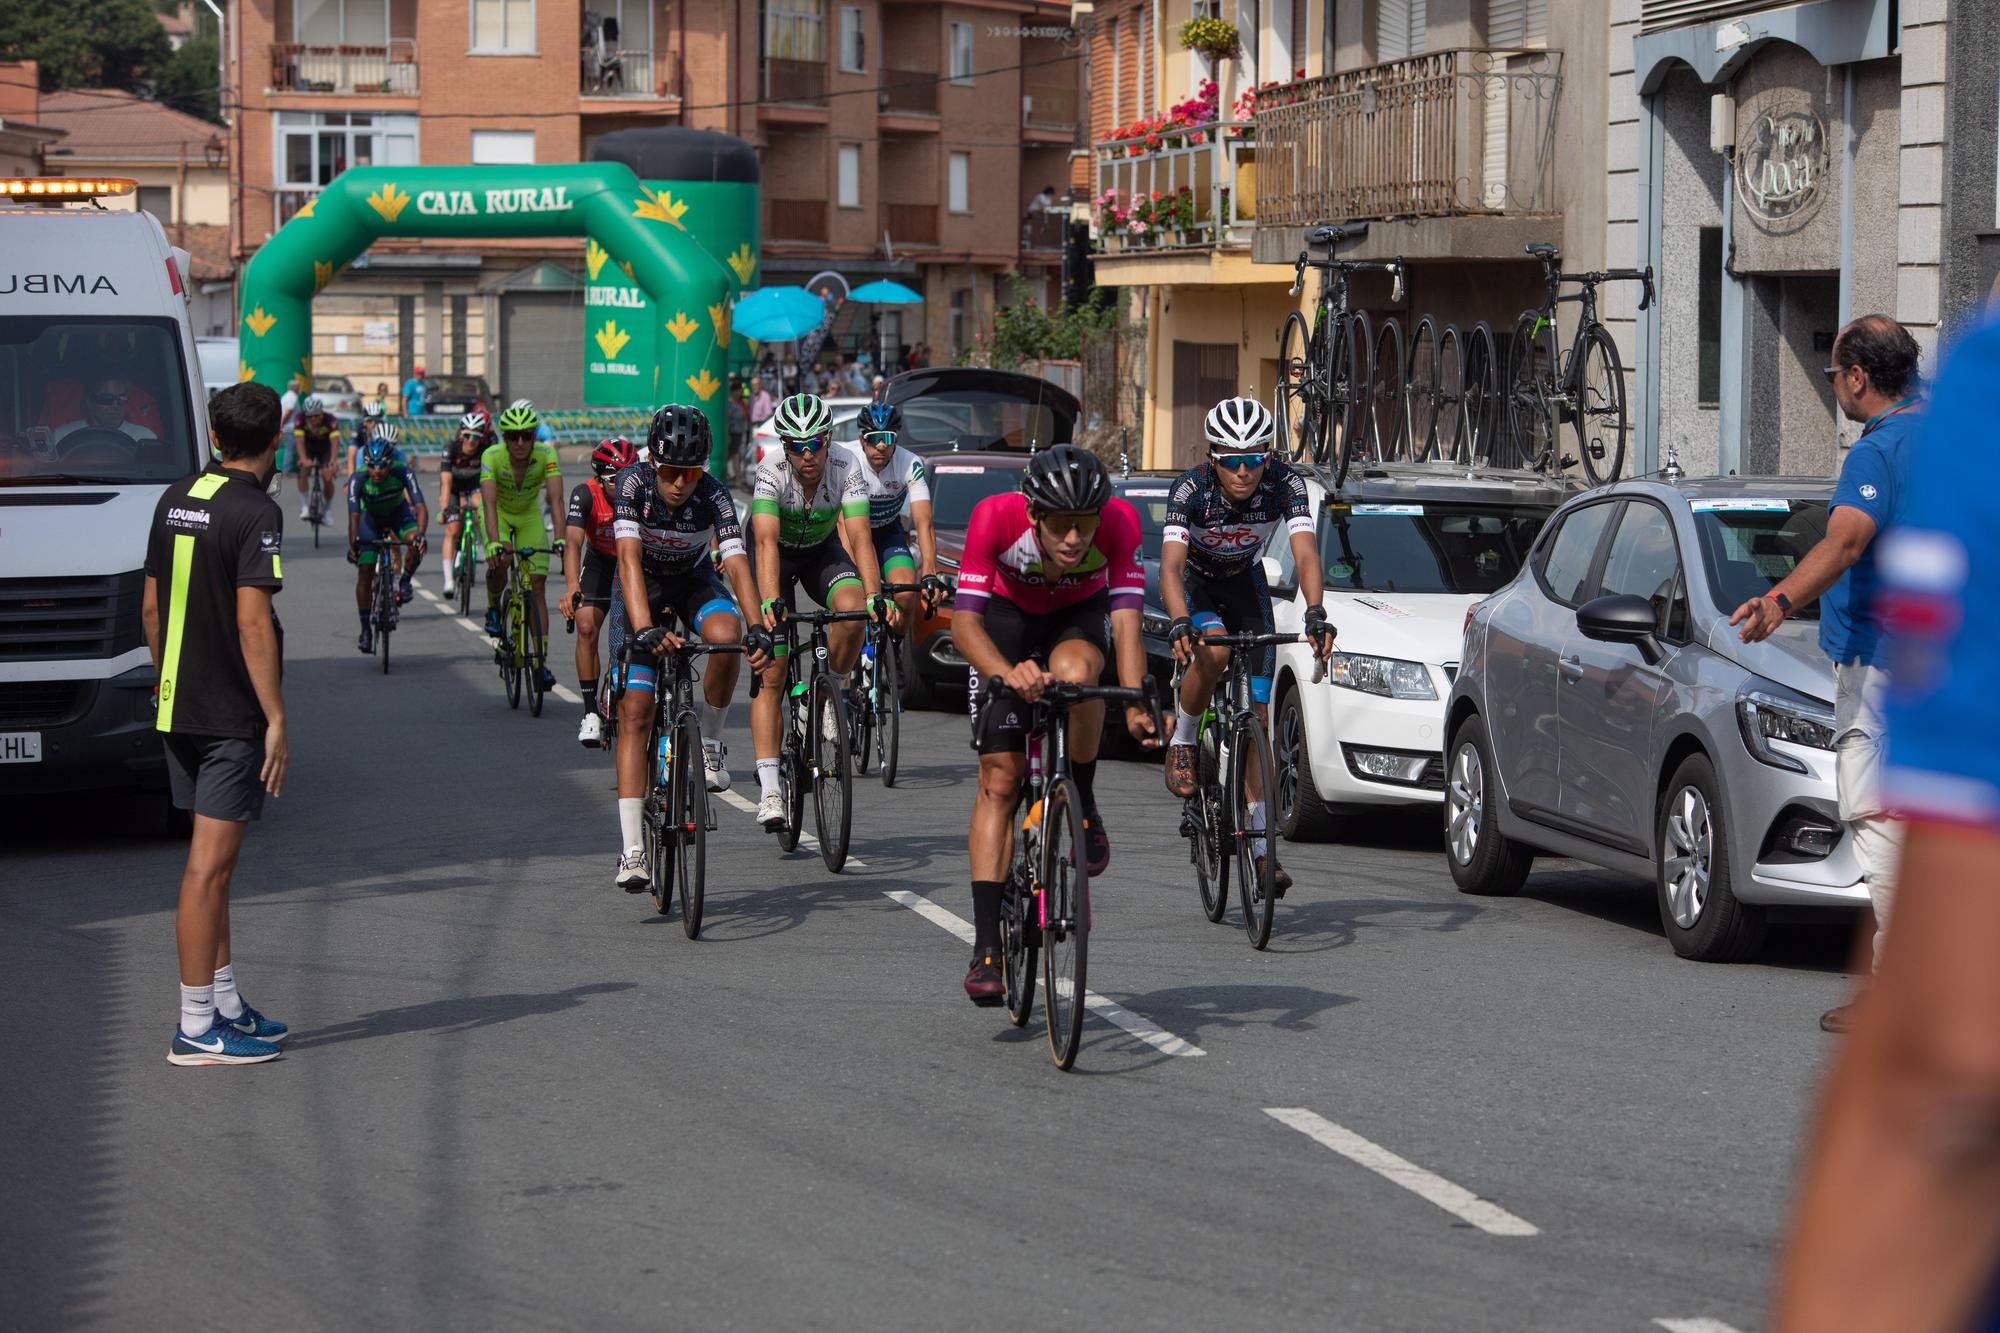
[1274, 576]
[1624, 618]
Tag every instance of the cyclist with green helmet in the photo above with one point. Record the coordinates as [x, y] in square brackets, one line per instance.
[383, 497]
[808, 525]
[516, 477]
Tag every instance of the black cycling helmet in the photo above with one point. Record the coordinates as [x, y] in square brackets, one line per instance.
[678, 437]
[1067, 480]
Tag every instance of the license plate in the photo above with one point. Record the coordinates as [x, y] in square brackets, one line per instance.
[451, 409]
[20, 747]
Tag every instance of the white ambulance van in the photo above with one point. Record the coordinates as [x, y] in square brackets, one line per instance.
[101, 408]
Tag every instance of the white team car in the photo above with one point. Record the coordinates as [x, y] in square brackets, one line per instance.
[1407, 551]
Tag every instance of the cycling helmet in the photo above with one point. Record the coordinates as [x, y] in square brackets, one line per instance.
[1066, 479]
[886, 417]
[803, 416]
[519, 416]
[679, 437]
[1239, 426]
[312, 405]
[475, 421]
[372, 409]
[613, 455]
[387, 434]
[380, 452]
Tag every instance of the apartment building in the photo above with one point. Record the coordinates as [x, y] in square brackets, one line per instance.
[1798, 165]
[23, 136]
[896, 139]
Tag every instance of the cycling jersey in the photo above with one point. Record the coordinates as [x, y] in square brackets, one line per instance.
[1002, 559]
[905, 478]
[385, 497]
[521, 499]
[463, 465]
[673, 541]
[316, 437]
[1225, 538]
[591, 509]
[804, 520]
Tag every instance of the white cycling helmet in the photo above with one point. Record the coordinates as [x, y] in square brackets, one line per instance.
[1239, 426]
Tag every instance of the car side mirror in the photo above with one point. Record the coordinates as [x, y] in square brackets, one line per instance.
[1624, 618]
[1274, 575]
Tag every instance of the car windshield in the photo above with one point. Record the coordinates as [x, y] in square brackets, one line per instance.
[93, 400]
[332, 384]
[978, 419]
[1749, 546]
[957, 487]
[1416, 548]
[1151, 502]
[457, 387]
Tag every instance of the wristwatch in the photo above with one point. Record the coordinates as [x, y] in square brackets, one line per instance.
[1784, 602]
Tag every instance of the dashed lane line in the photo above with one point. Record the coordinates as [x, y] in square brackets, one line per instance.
[561, 691]
[1694, 1326]
[1460, 1202]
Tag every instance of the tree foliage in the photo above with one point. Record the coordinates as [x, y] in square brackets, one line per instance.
[188, 81]
[87, 43]
[1029, 331]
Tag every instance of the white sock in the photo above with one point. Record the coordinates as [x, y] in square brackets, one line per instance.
[1185, 726]
[1258, 846]
[767, 776]
[227, 1002]
[630, 819]
[714, 717]
[197, 1010]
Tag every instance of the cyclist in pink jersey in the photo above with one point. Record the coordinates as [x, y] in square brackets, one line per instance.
[1052, 570]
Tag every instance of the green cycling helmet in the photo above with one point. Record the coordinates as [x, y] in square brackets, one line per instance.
[520, 415]
[803, 416]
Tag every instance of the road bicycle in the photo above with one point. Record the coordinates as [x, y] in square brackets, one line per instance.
[815, 748]
[1045, 904]
[675, 816]
[315, 500]
[466, 565]
[1328, 404]
[522, 648]
[1452, 393]
[1231, 745]
[875, 701]
[384, 611]
[1583, 388]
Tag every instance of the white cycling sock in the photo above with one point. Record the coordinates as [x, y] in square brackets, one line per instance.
[227, 1002]
[630, 818]
[197, 1010]
[1186, 724]
[713, 719]
[767, 776]
[1258, 846]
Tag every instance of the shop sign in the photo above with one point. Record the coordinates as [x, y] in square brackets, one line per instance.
[1781, 164]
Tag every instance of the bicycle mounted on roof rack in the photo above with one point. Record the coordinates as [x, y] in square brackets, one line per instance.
[1332, 401]
[1583, 388]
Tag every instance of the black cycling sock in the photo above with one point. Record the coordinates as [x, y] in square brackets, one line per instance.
[1086, 783]
[588, 689]
[363, 612]
[986, 914]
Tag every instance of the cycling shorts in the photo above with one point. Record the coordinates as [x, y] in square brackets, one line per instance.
[1018, 636]
[1240, 604]
[818, 569]
[595, 579]
[318, 451]
[371, 528]
[892, 551]
[689, 599]
[529, 530]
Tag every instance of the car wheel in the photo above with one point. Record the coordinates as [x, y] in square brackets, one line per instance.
[1483, 860]
[1701, 915]
[1302, 815]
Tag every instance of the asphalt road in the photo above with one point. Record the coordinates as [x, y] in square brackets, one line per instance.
[515, 1098]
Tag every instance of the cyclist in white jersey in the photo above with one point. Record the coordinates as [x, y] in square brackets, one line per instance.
[896, 478]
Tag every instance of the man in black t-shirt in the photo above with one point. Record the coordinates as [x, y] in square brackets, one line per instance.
[212, 567]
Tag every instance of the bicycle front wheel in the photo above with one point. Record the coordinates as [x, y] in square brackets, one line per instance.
[532, 668]
[889, 720]
[1420, 401]
[1352, 370]
[509, 655]
[1299, 404]
[656, 820]
[1599, 418]
[1208, 814]
[1480, 396]
[385, 608]
[690, 823]
[1250, 753]
[1385, 394]
[833, 782]
[792, 782]
[468, 564]
[862, 718]
[1065, 910]
[1451, 393]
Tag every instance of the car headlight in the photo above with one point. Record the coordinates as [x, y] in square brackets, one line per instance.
[1391, 677]
[1764, 717]
[1155, 624]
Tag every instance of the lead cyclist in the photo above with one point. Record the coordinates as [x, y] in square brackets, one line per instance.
[516, 477]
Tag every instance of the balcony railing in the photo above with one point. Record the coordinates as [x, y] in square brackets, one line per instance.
[1045, 229]
[1049, 109]
[910, 92]
[1445, 134]
[795, 219]
[1199, 159]
[635, 74]
[389, 69]
[911, 224]
[795, 81]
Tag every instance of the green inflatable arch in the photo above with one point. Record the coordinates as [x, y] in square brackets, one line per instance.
[603, 201]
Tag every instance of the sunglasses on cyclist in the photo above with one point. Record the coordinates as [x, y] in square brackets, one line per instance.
[1238, 462]
[671, 475]
[878, 439]
[516, 436]
[807, 446]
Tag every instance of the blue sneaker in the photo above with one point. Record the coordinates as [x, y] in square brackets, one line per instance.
[253, 1024]
[220, 1045]
[493, 622]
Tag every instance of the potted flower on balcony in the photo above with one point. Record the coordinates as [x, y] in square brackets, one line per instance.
[1186, 225]
[1215, 38]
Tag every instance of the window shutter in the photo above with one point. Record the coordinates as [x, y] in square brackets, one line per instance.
[1515, 25]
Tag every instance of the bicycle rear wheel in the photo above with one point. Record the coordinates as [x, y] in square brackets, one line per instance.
[1530, 369]
[468, 563]
[1479, 397]
[509, 654]
[1020, 942]
[1420, 401]
[792, 782]
[1206, 813]
[690, 823]
[1599, 418]
[385, 607]
[1451, 393]
[1385, 394]
[833, 783]
[1250, 752]
[1066, 909]
[1349, 396]
[889, 723]
[1300, 392]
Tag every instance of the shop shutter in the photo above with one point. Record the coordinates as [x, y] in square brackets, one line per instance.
[1655, 15]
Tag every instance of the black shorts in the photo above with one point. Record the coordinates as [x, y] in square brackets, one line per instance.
[217, 776]
[1018, 636]
[1239, 604]
[318, 451]
[818, 569]
[596, 578]
[688, 598]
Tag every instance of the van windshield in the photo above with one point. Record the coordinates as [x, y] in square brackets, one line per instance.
[93, 400]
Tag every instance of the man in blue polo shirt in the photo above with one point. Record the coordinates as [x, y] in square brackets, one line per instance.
[1874, 376]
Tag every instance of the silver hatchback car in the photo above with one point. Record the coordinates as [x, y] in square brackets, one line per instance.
[1605, 710]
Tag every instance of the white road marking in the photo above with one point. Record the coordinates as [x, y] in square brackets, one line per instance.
[937, 916]
[1694, 1326]
[1460, 1202]
[566, 694]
